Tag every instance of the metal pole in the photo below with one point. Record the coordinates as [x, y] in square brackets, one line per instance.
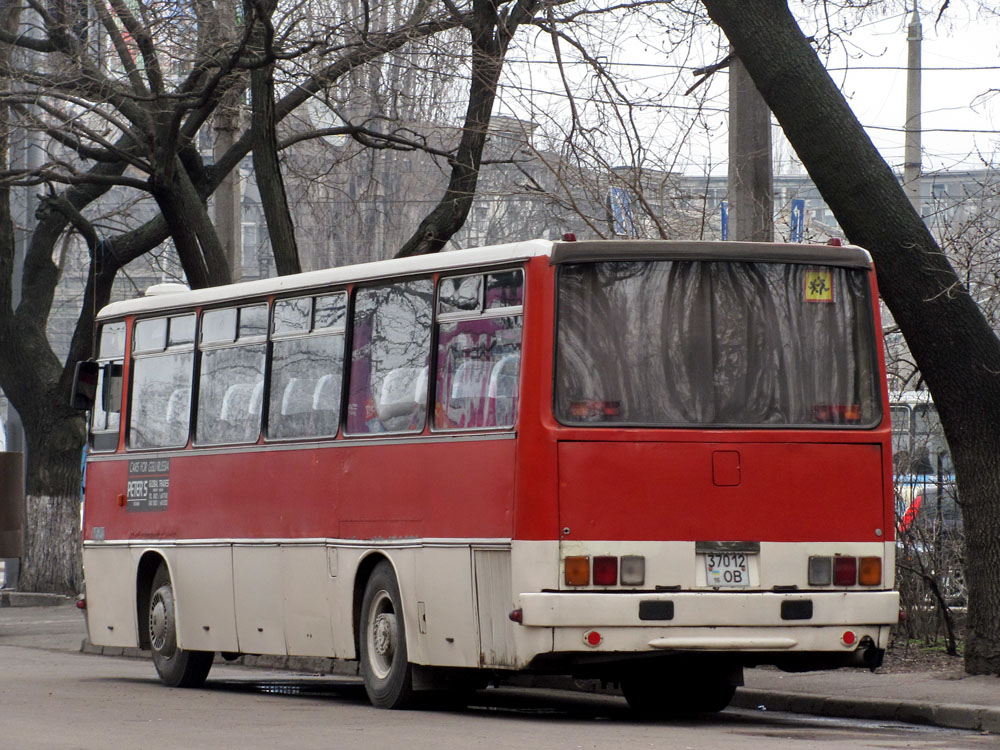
[911, 158]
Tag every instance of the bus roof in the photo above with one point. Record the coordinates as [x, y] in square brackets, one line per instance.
[455, 260]
[304, 282]
[850, 256]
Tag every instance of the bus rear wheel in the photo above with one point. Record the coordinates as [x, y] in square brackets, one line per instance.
[175, 666]
[387, 674]
[655, 696]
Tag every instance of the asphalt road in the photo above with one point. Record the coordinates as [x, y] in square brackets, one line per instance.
[52, 696]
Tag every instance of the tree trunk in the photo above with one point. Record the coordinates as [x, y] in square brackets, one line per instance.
[52, 548]
[54, 449]
[263, 127]
[957, 351]
[197, 244]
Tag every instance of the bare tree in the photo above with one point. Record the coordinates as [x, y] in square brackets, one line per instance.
[491, 30]
[120, 105]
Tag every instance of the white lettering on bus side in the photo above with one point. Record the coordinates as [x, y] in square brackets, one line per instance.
[137, 489]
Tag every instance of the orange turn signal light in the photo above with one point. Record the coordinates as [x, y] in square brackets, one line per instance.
[577, 570]
[870, 571]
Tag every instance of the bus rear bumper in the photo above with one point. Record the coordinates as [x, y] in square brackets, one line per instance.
[852, 628]
[709, 609]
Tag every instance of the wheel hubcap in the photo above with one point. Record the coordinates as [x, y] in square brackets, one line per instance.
[158, 624]
[382, 635]
[385, 625]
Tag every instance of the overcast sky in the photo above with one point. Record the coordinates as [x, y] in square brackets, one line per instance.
[961, 61]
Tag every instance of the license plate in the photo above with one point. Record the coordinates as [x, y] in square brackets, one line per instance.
[727, 568]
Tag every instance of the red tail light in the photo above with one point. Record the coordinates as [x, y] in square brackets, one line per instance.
[605, 571]
[845, 571]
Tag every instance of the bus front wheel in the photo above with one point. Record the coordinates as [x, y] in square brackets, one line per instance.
[176, 667]
[387, 674]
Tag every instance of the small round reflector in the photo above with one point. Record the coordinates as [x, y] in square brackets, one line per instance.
[592, 638]
[848, 638]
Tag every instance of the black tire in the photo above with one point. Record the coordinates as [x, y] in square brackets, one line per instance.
[175, 666]
[385, 669]
[653, 696]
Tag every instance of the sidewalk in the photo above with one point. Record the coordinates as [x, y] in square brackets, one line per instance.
[9, 598]
[945, 699]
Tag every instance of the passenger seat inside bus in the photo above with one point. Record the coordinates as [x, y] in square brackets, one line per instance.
[402, 397]
[297, 408]
[238, 421]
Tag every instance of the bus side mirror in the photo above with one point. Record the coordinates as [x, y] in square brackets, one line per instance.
[85, 385]
[86, 378]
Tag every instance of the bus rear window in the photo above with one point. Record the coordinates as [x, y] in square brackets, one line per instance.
[691, 343]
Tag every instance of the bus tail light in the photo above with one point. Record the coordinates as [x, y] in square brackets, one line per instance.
[820, 571]
[577, 571]
[837, 413]
[595, 411]
[845, 571]
[605, 571]
[633, 570]
[870, 571]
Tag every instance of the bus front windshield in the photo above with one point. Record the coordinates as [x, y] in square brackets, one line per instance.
[709, 343]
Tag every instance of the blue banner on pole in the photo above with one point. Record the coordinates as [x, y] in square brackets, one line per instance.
[797, 221]
[724, 207]
[620, 206]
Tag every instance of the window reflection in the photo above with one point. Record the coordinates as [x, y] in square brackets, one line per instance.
[390, 358]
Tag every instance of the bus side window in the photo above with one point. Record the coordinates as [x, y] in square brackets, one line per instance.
[479, 353]
[105, 419]
[307, 367]
[390, 358]
[233, 348]
[162, 368]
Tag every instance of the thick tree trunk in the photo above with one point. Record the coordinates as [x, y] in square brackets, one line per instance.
[52, 547]
[55, 440]
[957, 351]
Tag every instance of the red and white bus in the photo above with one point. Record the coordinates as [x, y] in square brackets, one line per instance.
[651, 462]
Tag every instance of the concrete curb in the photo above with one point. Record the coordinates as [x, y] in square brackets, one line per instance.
[952, 716]
[25, 599]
